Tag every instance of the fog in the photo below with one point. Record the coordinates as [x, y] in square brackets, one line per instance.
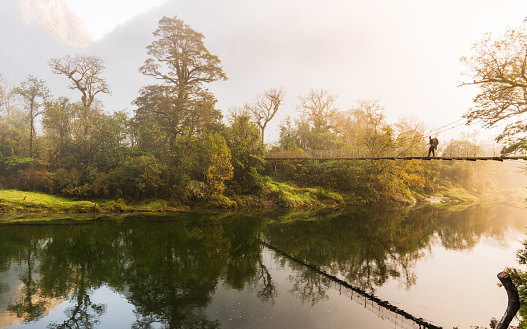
[405, 53]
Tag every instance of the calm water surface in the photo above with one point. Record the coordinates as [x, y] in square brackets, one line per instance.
[328, 269]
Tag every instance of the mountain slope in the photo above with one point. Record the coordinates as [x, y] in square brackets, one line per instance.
[33, 32]
[55, 17]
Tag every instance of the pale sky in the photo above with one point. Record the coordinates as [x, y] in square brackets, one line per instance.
[102, 16]
[405, 53]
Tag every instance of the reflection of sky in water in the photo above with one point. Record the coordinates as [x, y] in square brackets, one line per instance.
[458, 288]
[119, 313]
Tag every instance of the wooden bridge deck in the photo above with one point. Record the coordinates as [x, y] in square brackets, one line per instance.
[483, 158]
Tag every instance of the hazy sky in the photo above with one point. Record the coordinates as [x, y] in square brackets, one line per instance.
[102, 16]
[405, 53]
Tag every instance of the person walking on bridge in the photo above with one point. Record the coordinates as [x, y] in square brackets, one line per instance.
[433, 146]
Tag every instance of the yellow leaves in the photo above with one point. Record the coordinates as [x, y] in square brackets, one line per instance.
[217, 166]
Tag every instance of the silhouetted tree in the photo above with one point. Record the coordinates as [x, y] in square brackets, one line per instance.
[265, 108]
[84, 72]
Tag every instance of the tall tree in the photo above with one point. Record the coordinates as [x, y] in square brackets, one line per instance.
[498, 67]
[372, 130]
[57, 124]
[34, 94]
[320, 114]
[265, 108]
[319, 108]
[183, 65]
[84, 73]
[243, 139]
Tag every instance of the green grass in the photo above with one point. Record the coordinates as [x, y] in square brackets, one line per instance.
[156, 205]
[288, 196]
[19, 201]
[457, 194]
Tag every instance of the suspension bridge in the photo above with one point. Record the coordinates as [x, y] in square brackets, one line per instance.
[283, 156]
[466, 149]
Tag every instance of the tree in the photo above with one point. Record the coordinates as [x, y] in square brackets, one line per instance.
[318, 107]
[12, 121]
[371, 129]
[7, 99]
[181, 62]
[188, 63]
[265, 108]
[85, 75]
[216, 162]
[84, 72]
[110, 138]
[465, 146]
[319, 114]
[408, 136]
[57, 125]
[34, 94]
[243, 139]
[498, 68]
[160, 126]
[13, 134]
[289, 139]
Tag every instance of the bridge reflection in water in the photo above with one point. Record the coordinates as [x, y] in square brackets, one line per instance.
[381, 308]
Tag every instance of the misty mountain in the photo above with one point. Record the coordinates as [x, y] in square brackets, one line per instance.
[33, 32]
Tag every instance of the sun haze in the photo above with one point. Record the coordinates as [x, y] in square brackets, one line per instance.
[102, 16]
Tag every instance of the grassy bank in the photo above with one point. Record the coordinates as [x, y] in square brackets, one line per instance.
[32, 202]
[19, 201]
[275, 195]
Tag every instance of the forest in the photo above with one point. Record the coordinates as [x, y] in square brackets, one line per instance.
[178, 147]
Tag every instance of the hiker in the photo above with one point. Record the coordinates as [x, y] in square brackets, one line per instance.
[433, 146]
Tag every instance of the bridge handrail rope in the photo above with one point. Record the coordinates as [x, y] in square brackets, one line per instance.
[418, 151]
[439, 130]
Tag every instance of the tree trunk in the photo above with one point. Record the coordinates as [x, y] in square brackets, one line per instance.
[514, 300]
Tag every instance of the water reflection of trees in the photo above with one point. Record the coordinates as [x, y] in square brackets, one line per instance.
[369, 247]
[169, 268]
[26, 306]
[308, 285]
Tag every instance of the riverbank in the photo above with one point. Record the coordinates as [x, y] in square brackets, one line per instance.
[12, 201]
[277, 195]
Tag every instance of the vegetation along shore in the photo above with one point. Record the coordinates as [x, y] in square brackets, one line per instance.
[178, 151]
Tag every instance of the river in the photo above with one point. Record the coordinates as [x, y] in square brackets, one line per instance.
[432, 266]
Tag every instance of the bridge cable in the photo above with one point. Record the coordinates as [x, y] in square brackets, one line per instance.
[451, 123]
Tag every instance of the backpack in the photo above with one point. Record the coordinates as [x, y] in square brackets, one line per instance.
[435, 142]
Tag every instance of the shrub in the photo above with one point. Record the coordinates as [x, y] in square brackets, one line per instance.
[196, 191]
[39, 180]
